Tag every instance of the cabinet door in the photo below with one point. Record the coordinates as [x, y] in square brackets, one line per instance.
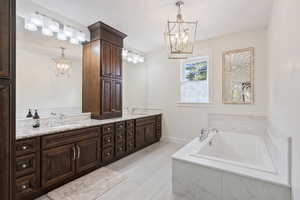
[58, 164]
[150, 135]
[4, 138]
[106, 103]
[5, 38]
[140, 137]
[106, 62]
[117, 96]
[116, 61]
[88, 154]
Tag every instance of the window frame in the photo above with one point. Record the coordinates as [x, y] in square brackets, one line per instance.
[209, 77]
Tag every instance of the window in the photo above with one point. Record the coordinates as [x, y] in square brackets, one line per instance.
[195, 80]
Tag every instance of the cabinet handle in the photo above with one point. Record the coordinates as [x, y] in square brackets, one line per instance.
[78, 151]
[24, 166]
[24, 147]
[108, 140]
[23, 187]
[74, 153]
[108, 129]
[108, 153]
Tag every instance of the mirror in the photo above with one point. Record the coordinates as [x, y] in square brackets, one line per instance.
[38, 83]
[238, 76]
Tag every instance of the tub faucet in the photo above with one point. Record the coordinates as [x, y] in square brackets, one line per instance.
[204, 134]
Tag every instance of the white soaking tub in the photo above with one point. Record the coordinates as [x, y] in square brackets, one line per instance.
[244, 150]
[227, 166]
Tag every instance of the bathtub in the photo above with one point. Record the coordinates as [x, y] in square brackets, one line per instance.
[244, 150]
[227, 166]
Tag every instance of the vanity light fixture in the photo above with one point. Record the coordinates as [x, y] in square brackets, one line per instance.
[180, 35]
[52, 27]
[132, 56]
[63, 65]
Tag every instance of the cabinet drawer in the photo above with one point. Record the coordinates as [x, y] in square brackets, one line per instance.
[107, 154]
[27, 146]
[108, 128]
[108, 140]
[130, 124]
[130, 146]
[25, 165]
[130, 133]
[26, 186]
[120, 125]
[143, 121]
[69, 137]
[120, 136]
[120, 149]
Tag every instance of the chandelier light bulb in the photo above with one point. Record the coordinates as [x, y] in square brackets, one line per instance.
[80, 36]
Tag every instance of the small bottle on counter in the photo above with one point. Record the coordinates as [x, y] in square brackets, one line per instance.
[36, 120]
[29, 114]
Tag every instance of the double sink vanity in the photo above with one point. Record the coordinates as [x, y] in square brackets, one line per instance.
[49, 157]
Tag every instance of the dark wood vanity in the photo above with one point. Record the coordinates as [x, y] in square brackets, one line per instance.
[47, 162]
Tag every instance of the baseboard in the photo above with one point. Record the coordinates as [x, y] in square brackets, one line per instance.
[175, 140]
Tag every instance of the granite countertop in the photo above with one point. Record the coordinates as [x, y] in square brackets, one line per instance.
[23, 133]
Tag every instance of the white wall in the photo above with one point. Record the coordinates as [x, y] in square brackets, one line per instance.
[39, 87]
[284, 67]
[182, 121]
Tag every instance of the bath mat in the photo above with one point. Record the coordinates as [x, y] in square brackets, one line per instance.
[89, 187]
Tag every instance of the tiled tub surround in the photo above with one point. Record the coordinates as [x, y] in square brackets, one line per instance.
[70, 122]
[199, 173]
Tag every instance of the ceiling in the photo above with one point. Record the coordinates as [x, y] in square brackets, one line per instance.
[144, 20]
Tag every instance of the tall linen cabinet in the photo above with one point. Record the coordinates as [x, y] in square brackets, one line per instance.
[102, 72]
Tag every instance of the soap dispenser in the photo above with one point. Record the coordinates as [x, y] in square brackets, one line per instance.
[36, 120]
[29, 114]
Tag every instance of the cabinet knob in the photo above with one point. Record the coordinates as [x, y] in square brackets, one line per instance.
[24, 166]
[120, 148]
[108, 129]
[108, 140]
[23, 187]
[24, 147]
[108, 153]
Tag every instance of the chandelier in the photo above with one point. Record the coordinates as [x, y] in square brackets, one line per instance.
[63, 65]
[180, 36]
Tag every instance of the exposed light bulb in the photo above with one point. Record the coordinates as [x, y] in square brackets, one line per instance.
[29, 25]
[80, 36]
[53, 26]
[61, 36]
[68, 31]
[124, 53]
[46, 31]
[129, 59]
[74, 41]
[37, 19]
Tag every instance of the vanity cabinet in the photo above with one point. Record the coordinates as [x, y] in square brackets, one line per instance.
[27, 167]
[66, 155]
[102, 72]
[47, 162]
[145, 132]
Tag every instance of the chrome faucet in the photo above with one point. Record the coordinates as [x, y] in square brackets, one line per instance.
[204, 134]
